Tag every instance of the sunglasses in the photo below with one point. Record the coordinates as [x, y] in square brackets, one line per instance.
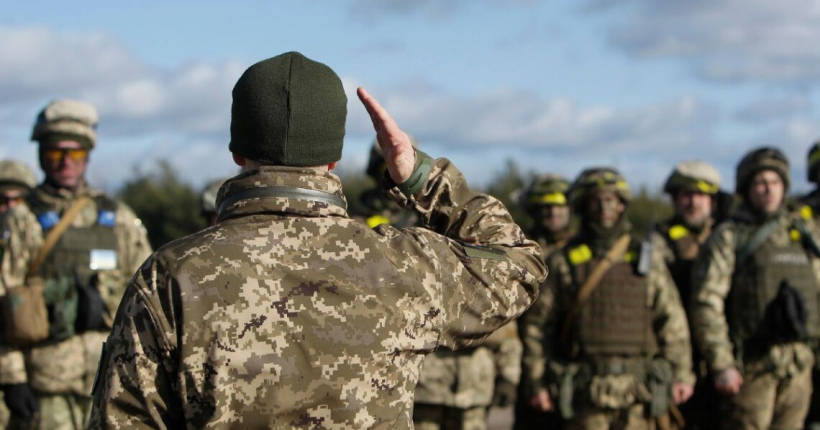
[5, 200]
[57, 154]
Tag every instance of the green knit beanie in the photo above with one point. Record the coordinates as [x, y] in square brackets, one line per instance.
[288, 111]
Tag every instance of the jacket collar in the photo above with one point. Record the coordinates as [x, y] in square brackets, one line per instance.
[282, 190]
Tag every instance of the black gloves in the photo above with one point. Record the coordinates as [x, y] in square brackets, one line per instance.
[20, 400]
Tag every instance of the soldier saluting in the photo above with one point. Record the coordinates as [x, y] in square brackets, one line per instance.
[289, 314]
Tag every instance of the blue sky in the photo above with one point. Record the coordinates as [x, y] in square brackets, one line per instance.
[556, 86]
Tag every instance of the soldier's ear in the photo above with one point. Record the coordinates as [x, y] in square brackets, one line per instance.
[239, 160]
[332, 166]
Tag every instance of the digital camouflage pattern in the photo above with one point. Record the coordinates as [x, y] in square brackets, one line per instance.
[770, 378]
[466, 379]
[67, 367]
[289, 314]
[545, 360]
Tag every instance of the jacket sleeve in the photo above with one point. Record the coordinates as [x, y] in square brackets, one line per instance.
[476, 264]
[669, 319]
[135, 386]
[711, 281]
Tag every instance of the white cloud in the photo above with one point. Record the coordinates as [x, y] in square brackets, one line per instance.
[519, 119]
[726, 40]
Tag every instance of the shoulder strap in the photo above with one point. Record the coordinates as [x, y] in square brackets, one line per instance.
[56, 233]
[612, 256]
[760, 236]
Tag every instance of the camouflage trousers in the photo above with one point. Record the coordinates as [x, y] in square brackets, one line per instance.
[592, 418]
[435, 417]
[767, 401]
[57, 412]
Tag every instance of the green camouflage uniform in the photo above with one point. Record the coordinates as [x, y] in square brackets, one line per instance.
[602, 399]
[777, 381]
[61, 373]
[289, 314]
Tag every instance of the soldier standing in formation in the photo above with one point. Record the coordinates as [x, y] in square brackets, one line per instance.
[546, 202]
[608, 341]
[812, 210]
[289, 314]
[81, 247]
[16, 181]
[693, 187]
[755, 301]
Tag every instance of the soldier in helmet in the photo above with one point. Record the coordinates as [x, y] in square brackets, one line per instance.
[79, 247]
[16, 181]
[754, 306]
[693, 187]
[811, 209]
[546, 201]
[207, 201]
[608, 344]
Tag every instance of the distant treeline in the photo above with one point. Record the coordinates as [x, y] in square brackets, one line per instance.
[169, 207]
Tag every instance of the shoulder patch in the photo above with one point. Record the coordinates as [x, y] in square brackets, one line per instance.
[795, 235]
[377, 220]
[580, 255]
[678, 232]
[483, 252]
[806, 212]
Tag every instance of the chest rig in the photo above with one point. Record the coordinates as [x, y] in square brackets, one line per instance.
[616, 319]
[81, 251]
[758, 281]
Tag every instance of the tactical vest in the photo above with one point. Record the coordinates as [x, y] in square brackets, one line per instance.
[757, 281]
[75, 259]
[616, 320]
[684, 245]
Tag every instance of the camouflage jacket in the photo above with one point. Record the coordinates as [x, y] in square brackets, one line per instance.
[289, 314]
[542, 325]
[67, 366]
[466, 378]
[712, 283]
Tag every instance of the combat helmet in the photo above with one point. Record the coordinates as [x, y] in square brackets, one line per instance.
[207, 200]
[693, 176]
[595, 179]
[376, 164]
[548, 189]
[67, 119]
[766, 158]
[15, 174]
[813, 173]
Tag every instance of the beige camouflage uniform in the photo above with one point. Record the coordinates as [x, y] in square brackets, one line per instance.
[777, 382]
[289, 314]
[61, 374]
[456, 388]
[611, 401]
